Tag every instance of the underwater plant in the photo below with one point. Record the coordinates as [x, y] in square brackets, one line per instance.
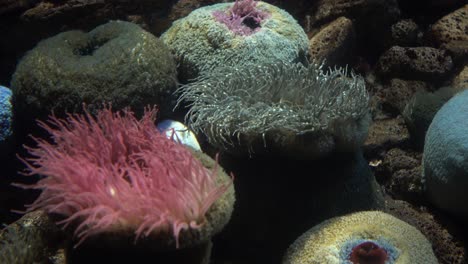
[113, 172]
[283, 107]
[367, 237]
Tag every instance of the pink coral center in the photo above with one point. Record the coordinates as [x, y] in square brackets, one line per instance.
[368, 253]
[243, 18]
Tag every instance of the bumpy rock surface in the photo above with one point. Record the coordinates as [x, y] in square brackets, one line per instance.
[421, 109]
[327, 10]
[451, 32]
[405, 33]
[398, 92]
[420, 63]
[30, 239]
[447, 248]
[400, 173]
[460, 82]
[386, 133]
[335, 43]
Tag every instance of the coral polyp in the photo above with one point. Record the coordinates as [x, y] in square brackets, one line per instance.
[114, 172]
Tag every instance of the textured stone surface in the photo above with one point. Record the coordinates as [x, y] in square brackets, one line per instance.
[447, 247]
[327, 10]
[398, 92]
[451, 32]
[400, 173]
[460, 82]
[30, 239]
[420, 111]
[334, 43]
[405, 33]
[419, 63]
[384, 134]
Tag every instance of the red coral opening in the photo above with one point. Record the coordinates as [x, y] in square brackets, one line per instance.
[368, 253]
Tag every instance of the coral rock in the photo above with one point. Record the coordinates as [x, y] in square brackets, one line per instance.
[420, 63]
[451, 32]
[334, 43]
[336, 241]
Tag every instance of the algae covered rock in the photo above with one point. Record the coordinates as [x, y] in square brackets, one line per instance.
[209, 38]
[116, 63]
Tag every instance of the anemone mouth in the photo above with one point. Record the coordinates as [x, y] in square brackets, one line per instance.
[368, 253]
[90, 48]
[251, 23]
[243, 18]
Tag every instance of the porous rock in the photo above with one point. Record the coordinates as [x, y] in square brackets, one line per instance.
[451, 32]
[447, 248]
[334, 43]
[405, 33]
[396, 94]
[460, 82]
[419, 63]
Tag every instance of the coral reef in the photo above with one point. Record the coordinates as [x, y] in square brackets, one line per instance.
[281, 108]
[113, 173]
[412, 56]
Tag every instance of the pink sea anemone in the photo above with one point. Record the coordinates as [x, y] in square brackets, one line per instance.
[243, 18]
[113, 171]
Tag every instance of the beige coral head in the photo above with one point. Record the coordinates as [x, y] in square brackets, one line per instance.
[361, 236]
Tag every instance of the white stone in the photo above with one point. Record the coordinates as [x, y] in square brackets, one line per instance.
[179, 132]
